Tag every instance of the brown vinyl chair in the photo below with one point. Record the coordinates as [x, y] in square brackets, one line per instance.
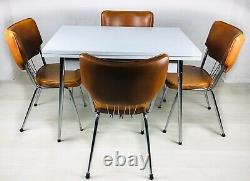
[223, 44]
[24, 41]
[122, 88]
[127, 18]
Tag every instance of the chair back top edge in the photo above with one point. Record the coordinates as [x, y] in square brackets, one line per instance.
[224, 43]
[123, 83]
[127, 18]
[24, 41]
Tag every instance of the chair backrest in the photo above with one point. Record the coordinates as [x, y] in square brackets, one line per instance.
[127, 18]
[224, 43]
[24, 41]
[123, 83]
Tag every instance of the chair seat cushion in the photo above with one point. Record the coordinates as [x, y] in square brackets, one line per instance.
[121, 110]
[49, 76]
[193, 78]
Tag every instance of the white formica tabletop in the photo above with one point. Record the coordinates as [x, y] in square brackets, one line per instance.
[121, 43]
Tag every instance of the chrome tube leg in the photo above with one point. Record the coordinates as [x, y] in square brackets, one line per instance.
[93, 144]
[83, 99]
[61, 98]
[170, 114]
[180, 76]
[38, 96]
[163, 97]
[74, 105]
[218, 115]
[207, 100]
[29, 109]
[142, 127]
[151, 177]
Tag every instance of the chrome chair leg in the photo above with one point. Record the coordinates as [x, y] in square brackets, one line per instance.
[29, 109]
[38, 96]
[151, 176]
[93, 144]
[170, 114]
[218, 115]
[207, 100]
[142, 127]
[74, 105]
[163, 97]
[83, 99]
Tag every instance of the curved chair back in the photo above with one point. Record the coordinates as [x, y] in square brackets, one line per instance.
[123, 83]
[24, 41]
[224, 43]
[127, 18]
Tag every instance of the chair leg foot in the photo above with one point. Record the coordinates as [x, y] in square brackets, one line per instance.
[81, 129]
[218, 115]
[142, 132]
[163, 97]
[59, 140]
[209, 108]
[151, 177]
[35, 104]
[87, 176]
[29, 109]
[164, 131]
[180, 143]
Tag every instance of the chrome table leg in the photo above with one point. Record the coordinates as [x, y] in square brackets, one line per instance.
[180, 76]
[61, 97]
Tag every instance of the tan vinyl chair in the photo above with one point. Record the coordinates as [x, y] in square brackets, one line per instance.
[122, 88]
[127, 18]
[223, 44]
[24, 41]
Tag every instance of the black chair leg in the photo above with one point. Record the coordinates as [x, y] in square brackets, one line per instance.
[93, 144]
[151, 176]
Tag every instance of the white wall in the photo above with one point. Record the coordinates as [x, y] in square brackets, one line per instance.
[240, 17]
[7, 69]
[193, 16]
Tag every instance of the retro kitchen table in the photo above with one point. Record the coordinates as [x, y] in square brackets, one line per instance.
[121, 43]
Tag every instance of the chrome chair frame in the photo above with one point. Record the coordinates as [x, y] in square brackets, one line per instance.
[151, 176]
[215, 73]
[31, 71]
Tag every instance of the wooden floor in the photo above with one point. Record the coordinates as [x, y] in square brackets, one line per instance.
[34, 155]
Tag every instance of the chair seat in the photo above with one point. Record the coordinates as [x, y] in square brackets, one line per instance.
[49, 76]
[193, 78]
[111, 109]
